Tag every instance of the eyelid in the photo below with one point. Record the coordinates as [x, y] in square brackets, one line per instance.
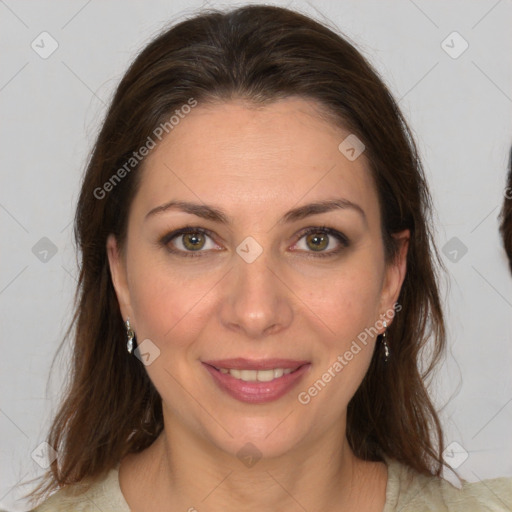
[327, 230]
[166, 239]
[339, 236]
[183, 231]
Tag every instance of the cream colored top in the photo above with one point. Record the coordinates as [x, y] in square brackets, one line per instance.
[406, 491]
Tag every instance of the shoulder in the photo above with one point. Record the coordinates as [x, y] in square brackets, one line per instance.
[410, 491]
[104, 494]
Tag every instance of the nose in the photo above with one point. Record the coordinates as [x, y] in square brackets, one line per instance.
[256, 302]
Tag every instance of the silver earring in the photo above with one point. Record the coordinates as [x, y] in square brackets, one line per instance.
[130, 335]
[384, 342]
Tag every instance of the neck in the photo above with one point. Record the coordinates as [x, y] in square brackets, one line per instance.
[183, 471]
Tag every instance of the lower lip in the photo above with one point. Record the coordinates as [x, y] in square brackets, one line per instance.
[256, 392]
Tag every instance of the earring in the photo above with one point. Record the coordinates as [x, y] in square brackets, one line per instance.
[384, 342]
[130, 335]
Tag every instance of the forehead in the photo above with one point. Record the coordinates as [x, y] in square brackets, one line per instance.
[255, 158]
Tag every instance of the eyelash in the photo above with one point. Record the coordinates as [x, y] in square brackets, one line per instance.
[340, 237]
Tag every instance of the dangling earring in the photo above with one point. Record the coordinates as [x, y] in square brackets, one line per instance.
[384, 342]
[130, 335]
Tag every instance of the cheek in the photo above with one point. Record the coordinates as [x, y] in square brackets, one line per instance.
[342, 299]
[349, 307]
[347, 298]
[168, 304]
[347, 303]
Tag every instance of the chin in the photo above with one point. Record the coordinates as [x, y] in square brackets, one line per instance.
[268, 436]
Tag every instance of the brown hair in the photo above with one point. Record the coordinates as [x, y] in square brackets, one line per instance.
[506, 215]
[259, 54]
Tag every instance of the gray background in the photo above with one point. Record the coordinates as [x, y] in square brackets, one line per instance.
[459, 108]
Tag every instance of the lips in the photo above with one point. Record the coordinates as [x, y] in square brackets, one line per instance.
[253, 381]
[252, 364]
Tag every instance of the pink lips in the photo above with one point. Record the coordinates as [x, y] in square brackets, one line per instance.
[251, 364]
[256, 392]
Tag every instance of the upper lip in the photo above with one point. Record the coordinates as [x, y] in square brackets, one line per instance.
[241, 363]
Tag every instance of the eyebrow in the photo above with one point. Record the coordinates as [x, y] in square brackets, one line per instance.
[217, 215]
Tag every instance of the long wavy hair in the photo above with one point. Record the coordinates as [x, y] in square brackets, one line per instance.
[260, 54]
[506, 214]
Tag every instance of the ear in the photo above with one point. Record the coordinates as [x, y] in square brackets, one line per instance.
[119, 276]
[395, 274]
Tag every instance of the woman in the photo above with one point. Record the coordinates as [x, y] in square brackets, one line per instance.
[257, 287]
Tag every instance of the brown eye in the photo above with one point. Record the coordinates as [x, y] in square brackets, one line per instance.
[193, 241]
[189, 241]
[317, 241]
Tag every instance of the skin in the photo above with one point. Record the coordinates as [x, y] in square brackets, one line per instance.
[255, 164]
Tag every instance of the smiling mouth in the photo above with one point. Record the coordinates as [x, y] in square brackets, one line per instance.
[257, 375]
[250, 370]
[256, 381]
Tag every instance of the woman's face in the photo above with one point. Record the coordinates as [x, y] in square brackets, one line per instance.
[281, 271]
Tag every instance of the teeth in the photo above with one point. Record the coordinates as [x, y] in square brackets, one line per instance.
[257, 375]
[264, 375]
[279, 372]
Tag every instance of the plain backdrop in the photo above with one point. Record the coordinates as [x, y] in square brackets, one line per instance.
[454, 89]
